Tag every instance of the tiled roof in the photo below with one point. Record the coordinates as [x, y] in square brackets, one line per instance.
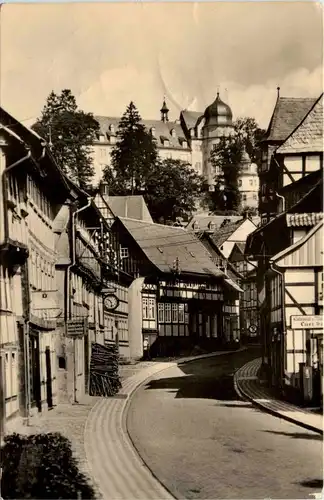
[203, 221]
[287, 115]
[162, 130]
[223, 233]
[164, 244]
[133, 207]
[308, 136]
[190, 118]
[304, 220]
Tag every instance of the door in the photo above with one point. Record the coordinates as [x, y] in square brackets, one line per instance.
[49, 393]
[34, 370]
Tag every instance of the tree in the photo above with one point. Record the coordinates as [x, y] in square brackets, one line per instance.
[226, 158]
[70, 133]
[173, 189]
[133, 156]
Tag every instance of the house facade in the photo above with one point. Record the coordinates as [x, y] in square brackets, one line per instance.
[185, 298]
[27, 271]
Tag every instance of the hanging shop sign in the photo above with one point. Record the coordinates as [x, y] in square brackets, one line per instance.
[306, 322]
[76, 327]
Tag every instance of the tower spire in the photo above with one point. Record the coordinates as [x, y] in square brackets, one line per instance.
[164, 111]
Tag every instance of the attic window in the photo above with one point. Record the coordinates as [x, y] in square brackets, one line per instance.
[192, 132]
[166, 142]
[184, 144]
[124, 253]
[173, 133]
[153, 131]
[195, 225]
[101, 138]
[160, 249]
[112, 128]
[112, 139]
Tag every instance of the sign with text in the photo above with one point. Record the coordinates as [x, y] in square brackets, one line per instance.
[306, 322]
[76, 327]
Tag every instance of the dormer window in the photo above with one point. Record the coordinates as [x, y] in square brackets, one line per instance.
[195, 226]
[153, 131]
[112, 139]
[112, 128]
[211, 226]
[184, 144]
[101, 138]
[192, 132]
[173, 133]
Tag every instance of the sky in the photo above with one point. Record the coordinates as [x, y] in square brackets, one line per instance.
[111, 53]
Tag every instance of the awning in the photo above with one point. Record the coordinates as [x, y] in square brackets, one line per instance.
[231, 284]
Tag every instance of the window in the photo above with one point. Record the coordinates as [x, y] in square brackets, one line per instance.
[151, 309]
[184, 144]
[148, 307]
[174, 313]
[198, 166]
[255, 197]
[181, 313]
[251, 182]
[167, 313]
[244, 197]
[124, 252]
[161, 313]
[240, 182]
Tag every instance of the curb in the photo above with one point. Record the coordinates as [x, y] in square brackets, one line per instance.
[140, 385]
[274, 413]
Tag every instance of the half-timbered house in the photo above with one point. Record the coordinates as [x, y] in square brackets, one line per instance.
[28, 305]
[179, 297]
[287, 115]
[287, 290]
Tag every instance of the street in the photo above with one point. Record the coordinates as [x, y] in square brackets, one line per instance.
[201, 441]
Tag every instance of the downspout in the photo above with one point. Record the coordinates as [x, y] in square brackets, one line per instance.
[283, 201]
[283, 316]
[68, 282]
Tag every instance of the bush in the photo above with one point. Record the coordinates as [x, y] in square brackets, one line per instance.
[41, 466]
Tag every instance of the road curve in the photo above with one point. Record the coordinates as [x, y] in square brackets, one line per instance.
[202, 442]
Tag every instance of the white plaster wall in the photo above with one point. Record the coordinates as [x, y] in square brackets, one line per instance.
[135, 318]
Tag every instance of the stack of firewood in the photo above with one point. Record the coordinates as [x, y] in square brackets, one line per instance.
[104, 376]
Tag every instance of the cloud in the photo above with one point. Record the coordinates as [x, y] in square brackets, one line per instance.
[111, 53]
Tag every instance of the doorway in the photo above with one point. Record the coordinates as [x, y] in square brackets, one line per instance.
[34, 370]
[49, 393]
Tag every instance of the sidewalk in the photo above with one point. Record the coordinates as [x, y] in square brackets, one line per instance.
[248, 386]
[96, 427]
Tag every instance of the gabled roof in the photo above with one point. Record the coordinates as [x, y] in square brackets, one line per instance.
[190, 118]
[164, 244]
[287, 115]
[223, 233]
[133, 207]
[307, 137]
[162, 130]
[316, 229]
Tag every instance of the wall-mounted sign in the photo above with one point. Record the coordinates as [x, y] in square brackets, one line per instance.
[76, 327]
[111, 302]
[306, 322]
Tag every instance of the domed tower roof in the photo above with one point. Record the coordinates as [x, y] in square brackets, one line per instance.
[245, 156]
[218, 113]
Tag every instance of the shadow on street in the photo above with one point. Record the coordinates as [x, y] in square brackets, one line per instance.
[209, 378]
[298, 435]
[312, 483]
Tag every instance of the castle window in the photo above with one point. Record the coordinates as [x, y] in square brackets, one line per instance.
[244, 197]
[124, 253]
[184, 144]
[101, 138]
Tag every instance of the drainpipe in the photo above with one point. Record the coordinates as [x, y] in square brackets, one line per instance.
[283, 313]
[283, 201]
[68, 282]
